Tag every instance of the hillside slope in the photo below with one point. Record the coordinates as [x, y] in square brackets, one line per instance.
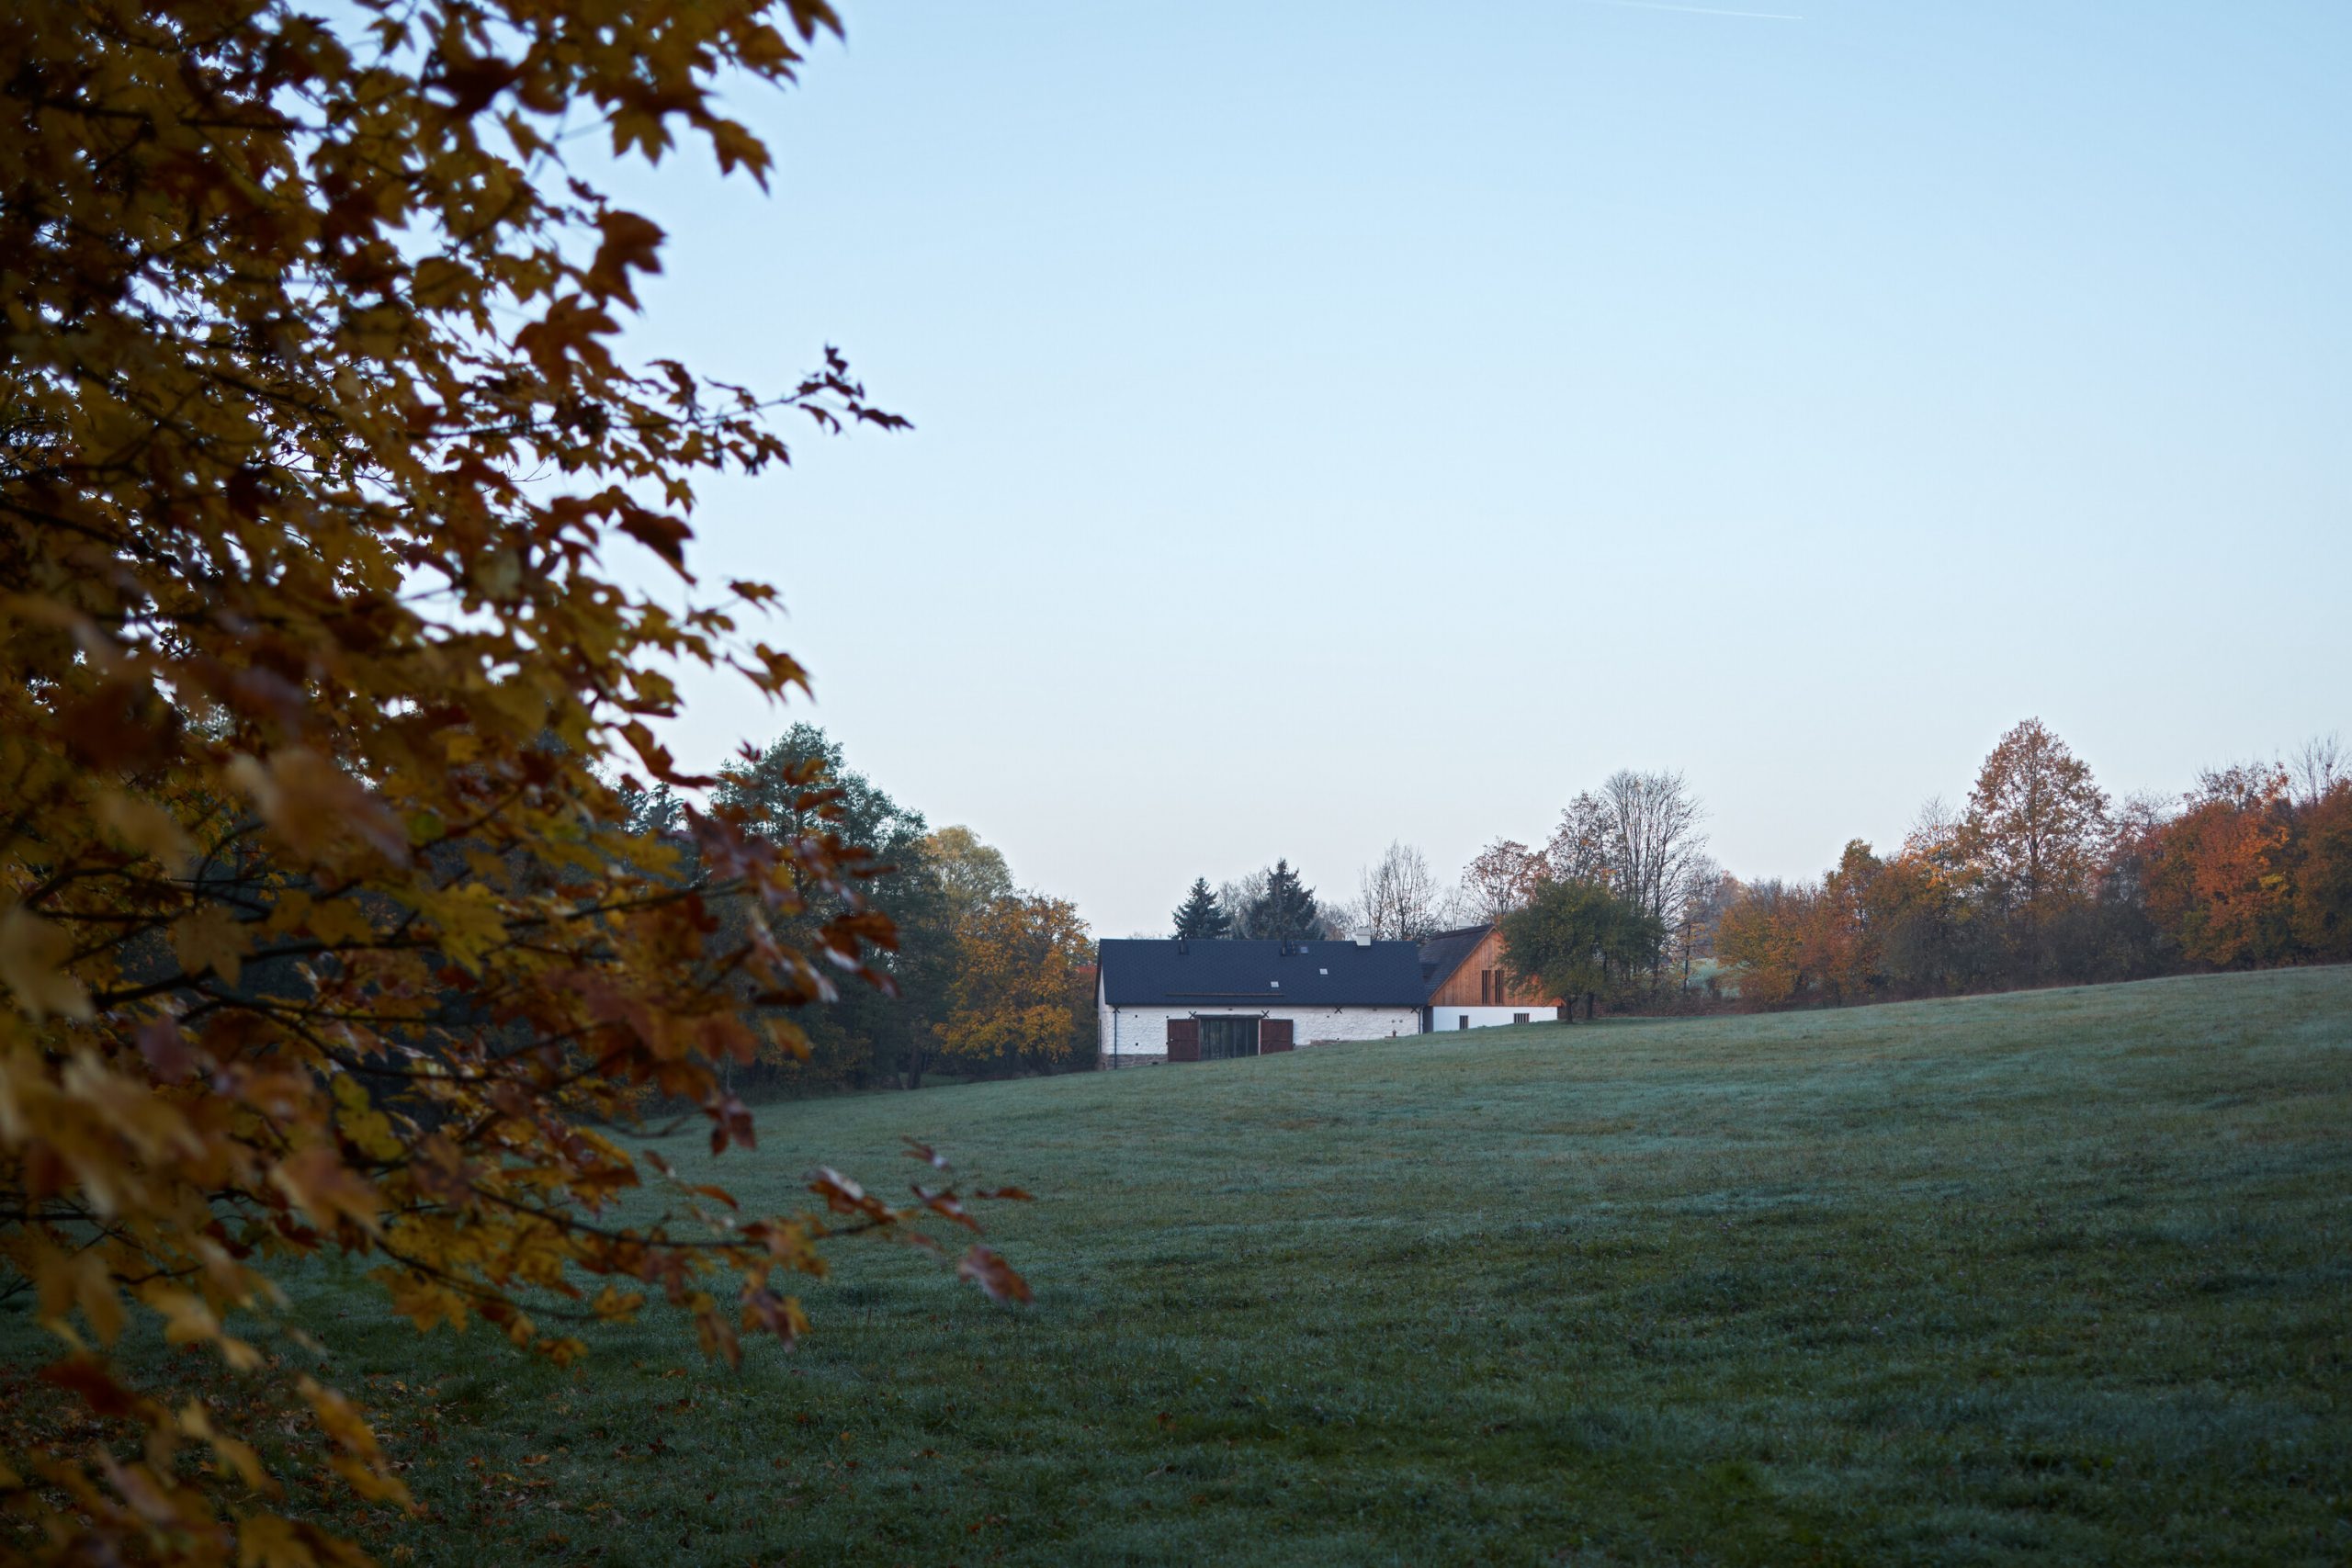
[2064, 1276]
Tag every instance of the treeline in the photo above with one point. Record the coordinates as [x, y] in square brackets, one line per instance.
[988, 979]
[2040, 879]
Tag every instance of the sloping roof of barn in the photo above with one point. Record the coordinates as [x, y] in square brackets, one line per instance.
[1445, 952]
[1163, 972]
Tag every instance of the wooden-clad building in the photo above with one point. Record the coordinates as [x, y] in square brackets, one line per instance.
[1468, 989]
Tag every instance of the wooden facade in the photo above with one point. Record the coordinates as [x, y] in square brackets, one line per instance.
[1478, 981]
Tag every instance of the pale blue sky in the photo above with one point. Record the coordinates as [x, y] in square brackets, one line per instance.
[1338, 423]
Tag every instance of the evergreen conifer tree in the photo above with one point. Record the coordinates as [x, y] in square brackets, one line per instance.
[1200, 917]
[1287, 910]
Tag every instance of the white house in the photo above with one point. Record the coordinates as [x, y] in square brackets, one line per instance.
[1172, 1001]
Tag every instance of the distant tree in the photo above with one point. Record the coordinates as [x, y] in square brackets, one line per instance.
[1199, 918]
[1019, 997]
[1243, 900]
[1652, 836]
[1501, 878]
[2219, 877]
[2320, 767]
[1841, 938]
[1763, 940]
[1707, 890]
[2323, 874]
[1397, 899]
[1287, 910]
[1583, 847]
[970, 872]
[1577, 938]
[2035, 834]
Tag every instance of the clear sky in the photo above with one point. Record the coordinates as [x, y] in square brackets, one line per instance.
[1339, 423]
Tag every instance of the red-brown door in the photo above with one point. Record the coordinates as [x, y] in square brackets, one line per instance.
[1183, 1039]
[1274, 1034]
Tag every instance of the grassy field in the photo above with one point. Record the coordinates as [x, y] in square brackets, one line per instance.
[2060, 1277]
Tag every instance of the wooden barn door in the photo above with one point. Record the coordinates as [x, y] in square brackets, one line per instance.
[1183, 1039]
[1274, 1034]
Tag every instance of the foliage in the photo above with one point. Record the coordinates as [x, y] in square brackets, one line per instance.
[322, 931]
[1284, 912]
[2042, 880]
[1199, 918]
[1022, 997]
[866, 1033]
[2035, 835]
[1581, 939]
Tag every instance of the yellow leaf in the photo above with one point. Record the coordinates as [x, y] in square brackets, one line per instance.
[149, 829]
[32, 964]
[362, 1123]
[212, 939]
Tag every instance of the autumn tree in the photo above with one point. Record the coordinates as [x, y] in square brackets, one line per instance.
[1763, 940]
[969, 871]
[1499, 878]
[1841, 937]
[1583, 846]
[1199, 918]
[1021, 997]
[2035, 833]
[2322, 891]
[323, 924]
[2219, 877]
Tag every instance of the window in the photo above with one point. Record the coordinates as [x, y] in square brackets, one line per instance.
[1486, 985]
[1462, 1022]
[1226, 1037]
[1519, 1018]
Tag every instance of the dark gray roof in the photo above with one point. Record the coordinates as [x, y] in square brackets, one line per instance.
[1165, 972]
[1442, 953]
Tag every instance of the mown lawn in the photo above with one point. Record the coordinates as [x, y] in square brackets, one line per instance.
[2062, 1277]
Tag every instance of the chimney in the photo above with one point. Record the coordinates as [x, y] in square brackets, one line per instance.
[1364, 939]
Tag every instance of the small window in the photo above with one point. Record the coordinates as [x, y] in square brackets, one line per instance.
[1462, 1022]
[1519, 1018]
[1275, 984]
[1322, 971]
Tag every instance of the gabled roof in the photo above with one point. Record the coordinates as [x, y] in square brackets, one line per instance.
[1140, 972]
[1445, 952]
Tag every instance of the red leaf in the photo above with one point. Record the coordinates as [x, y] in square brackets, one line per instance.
[993, 1274]
[166, 1048]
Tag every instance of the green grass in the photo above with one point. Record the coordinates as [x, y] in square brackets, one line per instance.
[2059, 1277]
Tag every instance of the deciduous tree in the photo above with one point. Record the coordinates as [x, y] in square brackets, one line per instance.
[1397, 900]
[321, 930]
[1020, 993]
[1501, 878]
[2035, 833]
[1577, 938]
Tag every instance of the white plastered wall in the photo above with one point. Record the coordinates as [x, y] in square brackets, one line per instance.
[1132, 1036]
[1446, 1019]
